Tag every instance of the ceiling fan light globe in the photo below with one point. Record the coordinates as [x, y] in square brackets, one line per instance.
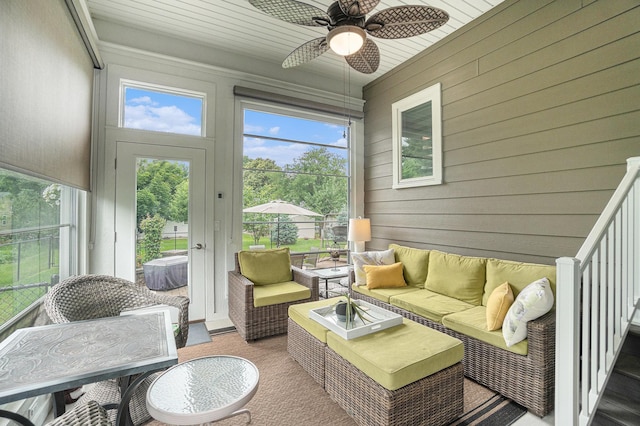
[346, 40]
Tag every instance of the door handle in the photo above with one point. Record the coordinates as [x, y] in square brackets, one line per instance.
[198, 246]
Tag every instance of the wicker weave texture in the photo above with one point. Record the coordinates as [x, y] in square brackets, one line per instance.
[434, 400]
[253, 323]
[98, 296]
[528, 380]
[86, 297]
[307, 351]
[89, 413]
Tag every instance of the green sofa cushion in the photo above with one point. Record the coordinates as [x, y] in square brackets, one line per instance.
[300, 314]
[518, 274]
[265, 266]
[415, 263]
[429, 304]
[399, 355]
[383, 294]
[461, 277]
[274, 294]
[473, 323]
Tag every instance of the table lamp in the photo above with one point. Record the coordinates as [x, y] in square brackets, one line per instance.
[359, 232]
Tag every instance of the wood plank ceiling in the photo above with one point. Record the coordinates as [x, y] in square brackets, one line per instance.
[236, 26]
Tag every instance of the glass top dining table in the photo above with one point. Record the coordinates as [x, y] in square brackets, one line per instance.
[52, 358]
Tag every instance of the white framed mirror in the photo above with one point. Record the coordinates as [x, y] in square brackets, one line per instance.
[417, 139]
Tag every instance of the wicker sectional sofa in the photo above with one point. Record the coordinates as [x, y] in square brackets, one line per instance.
[523, 372]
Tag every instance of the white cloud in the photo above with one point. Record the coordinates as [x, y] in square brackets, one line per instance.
[171, 119]
[274, 130]
[282, 154]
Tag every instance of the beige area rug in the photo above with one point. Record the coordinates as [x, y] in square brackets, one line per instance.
[287, 395]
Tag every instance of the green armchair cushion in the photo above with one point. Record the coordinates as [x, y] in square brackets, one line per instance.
[264, 267]
[415, 263]
[460, 277]
[274, 294]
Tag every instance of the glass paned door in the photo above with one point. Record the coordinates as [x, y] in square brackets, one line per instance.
[160, 227]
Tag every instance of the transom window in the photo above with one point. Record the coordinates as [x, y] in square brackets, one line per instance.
[162, 109]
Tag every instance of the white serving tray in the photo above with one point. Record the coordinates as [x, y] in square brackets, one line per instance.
[380, 319]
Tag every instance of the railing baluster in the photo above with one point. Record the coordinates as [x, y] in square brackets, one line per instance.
[608, 268]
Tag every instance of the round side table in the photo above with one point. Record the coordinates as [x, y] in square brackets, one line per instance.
[203, 390]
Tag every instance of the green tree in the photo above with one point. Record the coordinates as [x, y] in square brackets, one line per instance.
[157, 183]
[317, 181]
[285, 232]
[179, 208]
[151, 243]
[147, 205]
[261, 183]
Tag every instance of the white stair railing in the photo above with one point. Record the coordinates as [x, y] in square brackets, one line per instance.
[596, 298]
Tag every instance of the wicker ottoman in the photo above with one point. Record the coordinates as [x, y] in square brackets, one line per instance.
[413, 375]
[306, 338]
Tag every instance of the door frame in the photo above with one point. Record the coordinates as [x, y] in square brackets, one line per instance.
[126, 154]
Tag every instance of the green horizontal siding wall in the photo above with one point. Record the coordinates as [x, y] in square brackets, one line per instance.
[541, 109]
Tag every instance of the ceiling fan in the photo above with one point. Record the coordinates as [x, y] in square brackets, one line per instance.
[348, 28]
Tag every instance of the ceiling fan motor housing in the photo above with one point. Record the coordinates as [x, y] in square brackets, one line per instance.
[339, 18]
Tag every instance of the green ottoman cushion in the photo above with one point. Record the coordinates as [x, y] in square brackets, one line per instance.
[399, 355]
[274, 294]
[300, 314]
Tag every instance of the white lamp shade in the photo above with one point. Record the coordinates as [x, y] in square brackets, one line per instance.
[359, 230]
[346, 40]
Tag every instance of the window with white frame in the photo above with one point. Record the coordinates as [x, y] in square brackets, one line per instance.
[37, 246]
[162, 109]
[292, 161]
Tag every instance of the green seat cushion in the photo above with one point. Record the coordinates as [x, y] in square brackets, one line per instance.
[461, 277]
[399, 355]
[429, 304]
[473, 323]
[517, 274]
[274, 294]
[265, 266]
[414, 262]
[300, 314]
[383, 294]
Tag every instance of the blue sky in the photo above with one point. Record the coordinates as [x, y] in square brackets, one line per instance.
[162, 112]
[279, 126]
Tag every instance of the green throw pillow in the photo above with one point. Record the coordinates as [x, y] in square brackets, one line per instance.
[265, 266]
[519, 275]
[415, 262]
[460, 277]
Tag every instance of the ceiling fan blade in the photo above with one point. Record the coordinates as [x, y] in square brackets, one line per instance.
[365, 60]
[405, 21]
[357, 7]
[293, 11]
[307, 52]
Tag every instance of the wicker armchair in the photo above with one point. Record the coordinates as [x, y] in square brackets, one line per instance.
[98, 296]
[253, 323]
[88, 414]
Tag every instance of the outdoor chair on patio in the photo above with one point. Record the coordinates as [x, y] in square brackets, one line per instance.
[311, 260]
[261, 289]
[86, 297]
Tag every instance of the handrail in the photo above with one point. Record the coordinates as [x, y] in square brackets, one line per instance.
[596, 298]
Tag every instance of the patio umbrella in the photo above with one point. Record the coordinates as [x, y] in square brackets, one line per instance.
[280, 207]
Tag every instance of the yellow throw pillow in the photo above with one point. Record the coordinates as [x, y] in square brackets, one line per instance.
[265, 266]
[498, 305]
[384, 276]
